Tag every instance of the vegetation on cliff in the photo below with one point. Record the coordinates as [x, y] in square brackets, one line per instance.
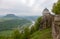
[44, 34]
[56, 7]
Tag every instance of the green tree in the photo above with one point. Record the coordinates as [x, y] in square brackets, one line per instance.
[37, 23]
[16, 34]
[32, 30]
[56, 7]
[26, 33]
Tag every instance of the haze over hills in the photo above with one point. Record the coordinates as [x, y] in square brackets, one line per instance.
[13, 16]
[11, 21]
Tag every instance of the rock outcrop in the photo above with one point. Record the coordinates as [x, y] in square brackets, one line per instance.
[47, 19]
[53, 21]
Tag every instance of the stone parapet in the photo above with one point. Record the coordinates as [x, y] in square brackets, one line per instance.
[57, 18]
[56, 27]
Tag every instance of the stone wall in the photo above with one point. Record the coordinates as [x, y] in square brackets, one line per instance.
[56, 27]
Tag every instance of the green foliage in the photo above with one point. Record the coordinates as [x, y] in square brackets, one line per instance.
[6, 34]
[44, 34]
[37, 23]
[16, 34]
[13, 23]
[32, 30]
[56, 7]
[26, 33]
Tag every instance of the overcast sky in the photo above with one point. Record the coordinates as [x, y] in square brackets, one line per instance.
[25, 7]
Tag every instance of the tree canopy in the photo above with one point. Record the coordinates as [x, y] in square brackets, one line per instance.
[56, 7]
[37, 23]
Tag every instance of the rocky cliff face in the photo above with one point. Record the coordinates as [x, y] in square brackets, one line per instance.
[47, 19]
[53, 21]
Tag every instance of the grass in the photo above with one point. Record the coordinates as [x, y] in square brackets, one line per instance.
[44, 34]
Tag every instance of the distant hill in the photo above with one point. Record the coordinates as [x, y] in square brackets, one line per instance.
[13, 23]
[32, 18]
[11, 16]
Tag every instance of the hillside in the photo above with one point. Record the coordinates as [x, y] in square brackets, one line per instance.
[44, 34]
[13, 23]
[10, 15]
[32, 18]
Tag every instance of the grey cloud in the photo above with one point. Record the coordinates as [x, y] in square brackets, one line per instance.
[48, 4]
[19, 8]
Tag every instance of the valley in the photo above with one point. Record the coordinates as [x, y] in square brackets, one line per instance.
[10, 22]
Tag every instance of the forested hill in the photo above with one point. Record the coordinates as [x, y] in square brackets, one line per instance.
[14, 23]
[13, 16]
[11, 21]
[10, 16]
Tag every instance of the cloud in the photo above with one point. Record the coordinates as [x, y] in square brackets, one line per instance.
[24, 7]
[48, 4]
